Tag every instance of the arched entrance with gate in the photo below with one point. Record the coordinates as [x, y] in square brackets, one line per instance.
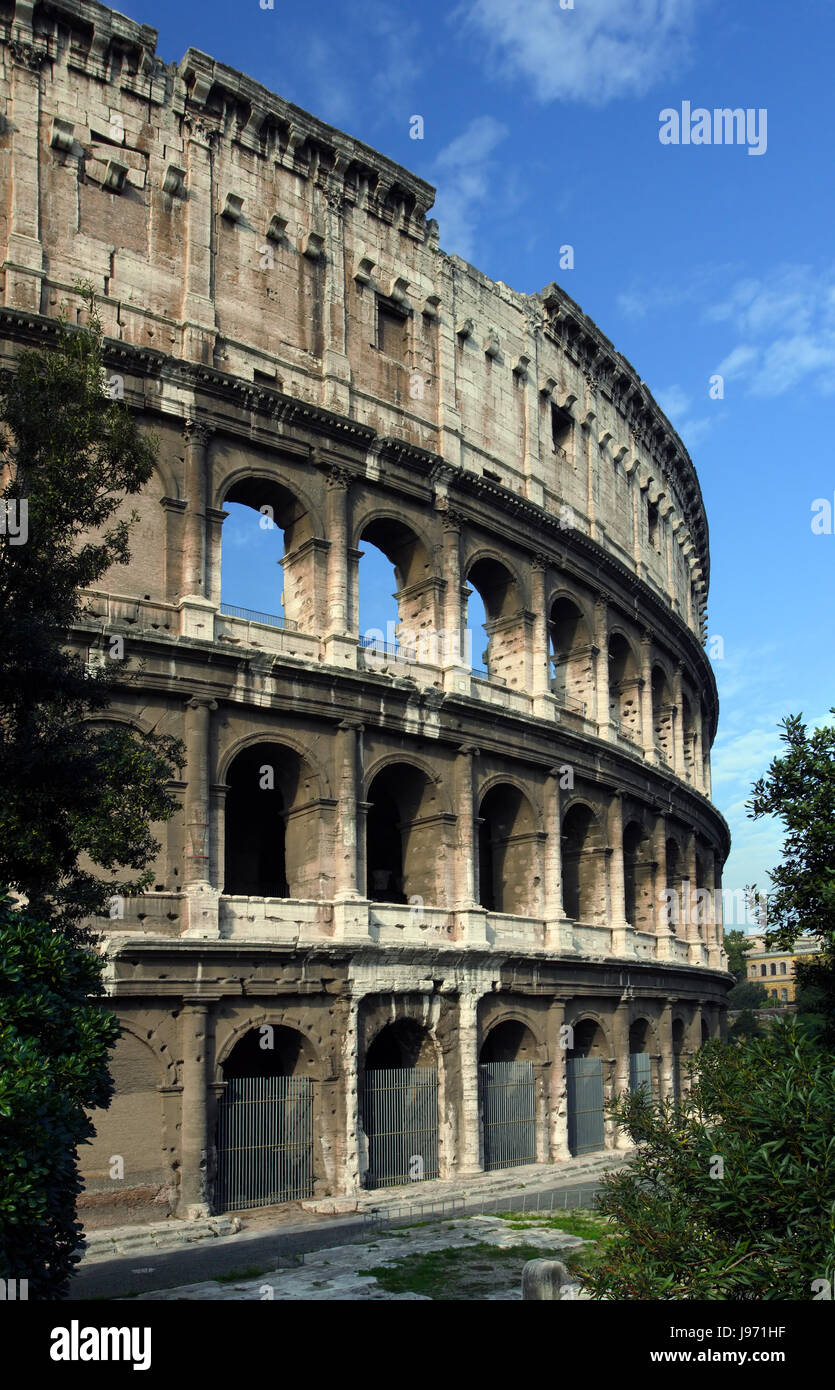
[400, 1105]
[265, 1123]
[507, 1096]
[640, 1061]
[584, 1084]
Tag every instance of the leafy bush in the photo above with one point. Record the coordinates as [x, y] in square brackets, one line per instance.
[730, 1195]
[54, 1041]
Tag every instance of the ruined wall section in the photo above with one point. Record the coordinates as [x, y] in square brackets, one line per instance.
[224, 226]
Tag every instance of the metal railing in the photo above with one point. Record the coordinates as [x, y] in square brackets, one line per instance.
[570, 702]
[253, 615]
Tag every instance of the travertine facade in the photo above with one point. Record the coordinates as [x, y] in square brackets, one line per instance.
[445, 867]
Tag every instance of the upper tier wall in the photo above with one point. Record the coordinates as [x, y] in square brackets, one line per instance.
[222, 225]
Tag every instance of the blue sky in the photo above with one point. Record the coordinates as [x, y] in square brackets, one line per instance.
[541, 128]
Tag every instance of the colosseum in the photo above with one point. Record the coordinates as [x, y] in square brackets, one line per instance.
[416, 918]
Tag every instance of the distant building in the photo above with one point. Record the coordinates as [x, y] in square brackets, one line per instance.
[775, 970]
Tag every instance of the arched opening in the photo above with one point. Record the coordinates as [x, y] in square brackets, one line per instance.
[507, 1096]
[663, 712]
[688, 722]
[508, 869]
[674, 914]
[131, 1125]
[584, 1086]
[267, 569]
[399, 621]
[402, 836]
[637, 877]
[498, 591]
[400, 1105]
[265, 1123]
[640, 1061]
[572, 682]
[271, 833]
[582, 872]
[624, 689]
[705, 1032]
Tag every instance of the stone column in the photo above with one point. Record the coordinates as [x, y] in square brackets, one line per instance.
[197, 311]
[193, 1197]
[470, 1156]
[698, 756]
[337, 516]
[678, 723]
[665, 930]
[601, 643]
[693, 930]
[337, 369]
[665, 1029]
[557, 1083]
[455, 654]
[553, 859]
[540, 660]
[620, 1033]
[465, 862]
[23, 263]
[647, 720]
[355, 1156]
[346, 866]
[617, 899]
[201, 894]
[193, 582]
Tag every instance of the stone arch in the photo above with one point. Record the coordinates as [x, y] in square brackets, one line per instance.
[663, 710]
[234, 1031]
[583, 868]
[502, 593]
[509, 1037]
[599, 1038]
[299, 549]
[168, 477]
[509, 873]
[624, 683]
[286, 738]
[416, 585]
[272, 820]
[405, 812]
[283, 1051]
[638, 875]
[401, 1042]
[572, 652]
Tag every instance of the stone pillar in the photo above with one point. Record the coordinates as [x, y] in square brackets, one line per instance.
[337, 517]
[665, 1029]
[449, 417]
[553, 859]
[557, 1099]
[201, 894]
[647, 720]
[23, 262]
[470, 1141]
[465, 860]
[337, 369]
[456, 654]
[678, 723]
[540, 660]
[346, 866]
[194, 568]
[197, 311]
[193, 1197]
[601, 644]
[355, 1156]
[620, 1033]
[617, 900]
[198, 818]
[664, 928]
[693, 933]
[698, 756]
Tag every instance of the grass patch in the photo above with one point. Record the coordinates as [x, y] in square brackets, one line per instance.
[251, 1273]
[588, 1225]
[457, 1275]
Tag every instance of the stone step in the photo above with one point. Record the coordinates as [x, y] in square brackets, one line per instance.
[168, 1235]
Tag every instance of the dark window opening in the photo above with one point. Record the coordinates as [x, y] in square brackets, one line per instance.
[561, 425]
[391, 332]
[652, 523]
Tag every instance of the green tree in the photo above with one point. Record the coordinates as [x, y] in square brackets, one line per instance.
[746, 1026]
[54, 1041]
[77, 798]
[69, 791]
[731, 1194]
[748, 994]
[736, 944]
[799, 788]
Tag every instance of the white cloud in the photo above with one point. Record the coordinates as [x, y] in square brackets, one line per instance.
[462, 173]
[786, 324]
[600, 50]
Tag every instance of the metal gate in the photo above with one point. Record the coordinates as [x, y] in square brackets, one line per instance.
[264, 1141]
[676, 1078]
[401, 1122]
[584, 1076]
[640, 1072]
[507, 1097]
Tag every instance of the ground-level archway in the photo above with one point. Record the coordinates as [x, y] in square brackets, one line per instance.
[640, 1061]
[507, 1096]
[265, 1124]
[400, 1105]
[584, 1085]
